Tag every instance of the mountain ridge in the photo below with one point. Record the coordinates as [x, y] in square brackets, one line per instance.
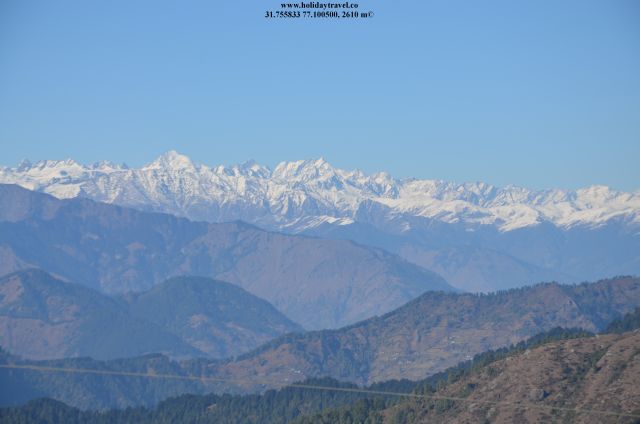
[42, 317]
[438, 330]
[298, 189]
[317, 283]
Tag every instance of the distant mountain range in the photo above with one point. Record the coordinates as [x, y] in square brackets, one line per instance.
[316, 283]
[428, 335]
[303, 193]
[43, 317]
[479, 237]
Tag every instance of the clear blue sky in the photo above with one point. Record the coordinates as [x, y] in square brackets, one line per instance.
[540, 93]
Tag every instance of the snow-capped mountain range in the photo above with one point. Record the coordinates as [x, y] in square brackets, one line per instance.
[299, 195]
[477, 236]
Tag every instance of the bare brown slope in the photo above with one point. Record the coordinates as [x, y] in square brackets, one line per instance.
[598, 374]
[436, 331]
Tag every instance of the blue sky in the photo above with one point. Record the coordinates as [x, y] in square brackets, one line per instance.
[535, 93]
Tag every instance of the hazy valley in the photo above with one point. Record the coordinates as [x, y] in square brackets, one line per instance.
[315, 282]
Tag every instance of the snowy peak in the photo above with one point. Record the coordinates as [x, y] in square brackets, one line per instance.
[303, 170]
[107, 166]
[57, 164]
[171, 160]
[24, 165]
[308, 193]
[251, 168]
